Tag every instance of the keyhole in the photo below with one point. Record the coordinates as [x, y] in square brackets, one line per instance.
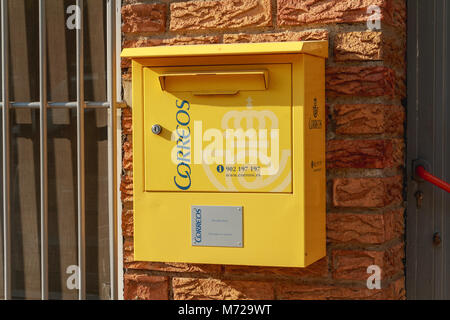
[156, 129]
[419, 199]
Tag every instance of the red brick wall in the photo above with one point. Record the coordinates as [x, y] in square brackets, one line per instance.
[365, 85]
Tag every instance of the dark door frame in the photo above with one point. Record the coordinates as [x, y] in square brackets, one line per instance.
[428, 134]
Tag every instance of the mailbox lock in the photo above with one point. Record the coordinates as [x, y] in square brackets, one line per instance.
[156, 129]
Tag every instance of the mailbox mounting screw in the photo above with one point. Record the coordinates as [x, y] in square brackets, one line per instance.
[156, 129]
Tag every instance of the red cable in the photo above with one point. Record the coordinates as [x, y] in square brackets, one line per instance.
[425, 175]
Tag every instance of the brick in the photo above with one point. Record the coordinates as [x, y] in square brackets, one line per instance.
[225, 14]
[144, 18]
[368, 154]
[175, 267]
[394, 223]
[364, 228]
[353, 264]
[394, 52]
[215, 289]
[127, 123]
[171, 267]
[316, 270]
[143, 287]
[176, 41]
[128, 250]
[394, 260]
[126, 188]
[126, 75]
[374, 46]
[367, 192]
[293, 12]
[360, 81]
[308, 35]
[127, 157]
[398, 290]
[395, 15]
[292, 291]
[365, 45]
[179, 40]
[369, 119]
[127, 223]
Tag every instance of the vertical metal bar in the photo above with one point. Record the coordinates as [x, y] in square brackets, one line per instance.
[43, 142]
[118, 156]
[118, 48]
[80, 155]
[111, 76]
[6, 146]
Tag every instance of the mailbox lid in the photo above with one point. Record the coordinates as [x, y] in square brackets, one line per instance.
[201, 109]
[314, 48]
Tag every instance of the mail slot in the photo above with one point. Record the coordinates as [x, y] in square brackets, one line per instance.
[214, 82]
[229, 153]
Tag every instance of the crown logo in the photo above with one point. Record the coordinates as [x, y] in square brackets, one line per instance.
[315, 109]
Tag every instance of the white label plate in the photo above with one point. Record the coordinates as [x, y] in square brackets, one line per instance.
[216, 226]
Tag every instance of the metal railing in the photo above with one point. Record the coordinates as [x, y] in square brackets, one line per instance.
[43, 105]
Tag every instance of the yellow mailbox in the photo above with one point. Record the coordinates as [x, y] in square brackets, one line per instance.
[229, 153]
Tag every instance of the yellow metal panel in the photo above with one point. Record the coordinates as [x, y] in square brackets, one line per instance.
[316, 48]
[283, 224]
[204, 121]
[315, 170]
